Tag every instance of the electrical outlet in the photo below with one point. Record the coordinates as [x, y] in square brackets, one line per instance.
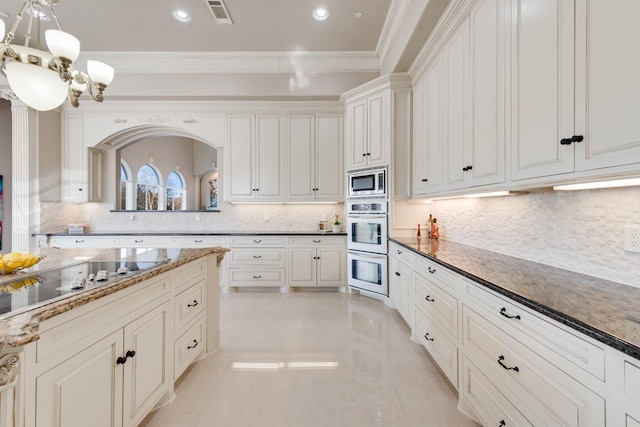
[632, 331]
[632, 239]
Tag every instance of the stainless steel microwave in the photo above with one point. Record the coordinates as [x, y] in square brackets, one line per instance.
[371, 182]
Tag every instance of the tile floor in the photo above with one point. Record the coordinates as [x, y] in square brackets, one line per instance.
[311, 359]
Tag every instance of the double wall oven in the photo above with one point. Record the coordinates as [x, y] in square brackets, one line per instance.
[367, 243]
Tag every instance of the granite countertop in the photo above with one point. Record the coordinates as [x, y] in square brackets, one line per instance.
[198, 233]
[595, 307]
[22, 328]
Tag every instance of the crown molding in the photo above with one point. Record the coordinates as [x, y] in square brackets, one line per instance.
[237, 62]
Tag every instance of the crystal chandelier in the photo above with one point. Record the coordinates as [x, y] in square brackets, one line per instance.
[44, 79]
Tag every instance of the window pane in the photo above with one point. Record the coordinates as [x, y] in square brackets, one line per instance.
[147, 175]
[174, 180]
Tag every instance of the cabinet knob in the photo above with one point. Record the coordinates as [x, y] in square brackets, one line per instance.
[364, 154]
[397, 273]
[432, 270]
[502, 423]
[193, 304]
[425, 179]
[130, 353]
[428, 298]
[121, 360]
[195, 344]
[426, 337]
[467, 168]
[565, 141]
[368, 154]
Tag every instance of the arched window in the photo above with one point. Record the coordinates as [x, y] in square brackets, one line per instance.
[148, 184]
[175, 192]
[126, 198]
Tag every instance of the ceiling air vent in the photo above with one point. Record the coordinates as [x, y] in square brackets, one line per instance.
[220, 13]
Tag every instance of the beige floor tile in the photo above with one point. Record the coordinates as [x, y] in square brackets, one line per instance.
[311, 359]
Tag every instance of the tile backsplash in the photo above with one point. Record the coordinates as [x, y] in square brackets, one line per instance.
[581, 231]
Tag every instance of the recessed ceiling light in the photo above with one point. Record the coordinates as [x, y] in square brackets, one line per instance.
[358, 14]
[181, 16]
[320, 14]
[38, 14]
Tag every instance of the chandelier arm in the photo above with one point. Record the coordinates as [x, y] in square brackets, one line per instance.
[82, 78]
[12, 33]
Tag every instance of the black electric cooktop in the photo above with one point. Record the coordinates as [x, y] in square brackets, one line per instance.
[29, 291]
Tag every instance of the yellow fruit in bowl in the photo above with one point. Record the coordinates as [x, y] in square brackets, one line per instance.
[15, 260]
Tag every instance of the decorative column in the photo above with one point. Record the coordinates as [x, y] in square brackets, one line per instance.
[24, 164]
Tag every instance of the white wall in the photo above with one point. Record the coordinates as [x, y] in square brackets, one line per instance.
[5, 171]
[581, 231]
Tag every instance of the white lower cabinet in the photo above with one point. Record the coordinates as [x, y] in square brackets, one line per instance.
[114, 382]
[317, 261]
[400, 279]
[257, 261]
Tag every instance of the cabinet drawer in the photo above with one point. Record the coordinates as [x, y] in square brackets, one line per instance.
[258, 256]
[79, 242]
[632, 388]
[437, 273]
[566, 350]
[318, 241]
[441, 348]
[401, 254]
[196, 241]
[274, 277]
[542, 392]
[187, 275]
[258, 240]
[488, 402]
[139, 242]
[437, 303]
[188, 347]
[188, 304]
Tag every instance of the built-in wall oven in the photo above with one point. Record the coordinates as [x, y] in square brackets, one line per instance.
[367, 246]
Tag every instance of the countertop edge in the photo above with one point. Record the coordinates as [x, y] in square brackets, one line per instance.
[597, 334]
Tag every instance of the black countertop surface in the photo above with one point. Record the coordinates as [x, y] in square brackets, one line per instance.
[595, 307]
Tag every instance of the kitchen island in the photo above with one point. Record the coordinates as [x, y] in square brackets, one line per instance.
[107, 353]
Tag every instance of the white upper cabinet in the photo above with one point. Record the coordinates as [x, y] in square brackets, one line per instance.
[315, 157]
[427, 132]
[574, 88]
[255, 158]
[367, 130]
[607, 83]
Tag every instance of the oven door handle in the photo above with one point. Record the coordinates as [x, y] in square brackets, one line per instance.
[373, 216]
[372, 256]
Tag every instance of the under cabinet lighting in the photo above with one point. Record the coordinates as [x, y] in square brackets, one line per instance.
[494, 194]
[596, 185]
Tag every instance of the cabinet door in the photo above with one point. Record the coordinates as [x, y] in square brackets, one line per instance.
[357, 134]
[301, 157]
[302, 266]
[394, 281]
[269, 158]
[240, 182]
[487, 27]
[458, 125]
[427, 140]
[542, 64]
[329, 158]
[331, 267]
[74, 161]
[607, 87]
[378, 113]
[146, 372]
[85, 390]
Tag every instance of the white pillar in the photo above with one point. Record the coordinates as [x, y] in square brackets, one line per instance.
[24, 198]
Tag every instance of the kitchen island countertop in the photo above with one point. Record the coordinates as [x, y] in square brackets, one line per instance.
[595, 307]
[22, 328]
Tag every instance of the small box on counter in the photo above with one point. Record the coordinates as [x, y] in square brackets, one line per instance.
[77, 228]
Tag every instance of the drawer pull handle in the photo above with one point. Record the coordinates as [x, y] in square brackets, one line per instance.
[317, 241]
[397, 273]
[197, 241]
[257, 277]
[121, 360]
[138, 241]
[500, 359]
[503, 311]
[428, 298]
[432, 270]
[502, 423]
[79, 241]
[257, 241]
[257, 256]
[399, 251]
[426, 337]
[195, 344]
[130, 353]
[195, 302]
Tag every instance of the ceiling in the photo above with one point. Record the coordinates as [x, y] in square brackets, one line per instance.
[274, 50]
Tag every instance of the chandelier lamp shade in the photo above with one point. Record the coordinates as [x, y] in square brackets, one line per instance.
[44, 79]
